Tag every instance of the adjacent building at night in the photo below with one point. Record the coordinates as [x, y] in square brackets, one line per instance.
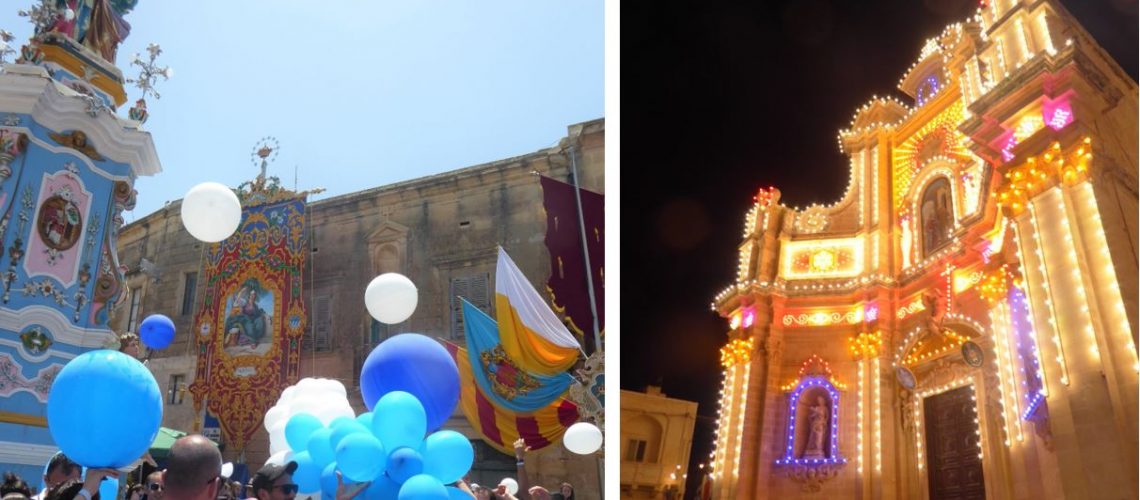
[962, 323]
[656, 439]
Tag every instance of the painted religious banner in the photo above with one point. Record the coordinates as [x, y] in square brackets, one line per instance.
[252, 318]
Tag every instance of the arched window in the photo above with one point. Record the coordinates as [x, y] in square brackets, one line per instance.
[937, 211]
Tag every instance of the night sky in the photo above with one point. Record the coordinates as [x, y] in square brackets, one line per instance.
[717, 102]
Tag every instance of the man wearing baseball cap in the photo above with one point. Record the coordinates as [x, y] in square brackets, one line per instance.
[275, 482]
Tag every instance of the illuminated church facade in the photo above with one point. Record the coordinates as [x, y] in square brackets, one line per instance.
[963, 322]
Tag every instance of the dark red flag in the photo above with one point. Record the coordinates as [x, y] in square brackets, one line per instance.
[567, 284]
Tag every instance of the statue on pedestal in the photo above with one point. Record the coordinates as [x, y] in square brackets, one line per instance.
[817, 430]
[96, 24]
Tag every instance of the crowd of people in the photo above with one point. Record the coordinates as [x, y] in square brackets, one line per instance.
[194, 472]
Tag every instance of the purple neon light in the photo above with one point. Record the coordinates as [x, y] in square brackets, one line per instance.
[793, 402]
[1030, 365]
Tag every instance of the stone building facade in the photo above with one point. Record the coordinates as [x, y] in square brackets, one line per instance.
[963, 322]
[440, 231]
[656, 439]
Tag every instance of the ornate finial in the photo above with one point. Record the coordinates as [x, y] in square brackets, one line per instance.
[264, 152]
[6, 49]
[149, 71]
[46, 16]
[148, 77]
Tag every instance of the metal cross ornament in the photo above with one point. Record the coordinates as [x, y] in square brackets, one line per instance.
[149, 71]
[5, 46]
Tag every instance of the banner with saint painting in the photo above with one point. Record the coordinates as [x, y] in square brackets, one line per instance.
[250, 323]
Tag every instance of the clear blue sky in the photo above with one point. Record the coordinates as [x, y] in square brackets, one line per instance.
[359, 93]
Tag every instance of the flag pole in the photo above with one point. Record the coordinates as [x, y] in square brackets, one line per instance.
[585, 248]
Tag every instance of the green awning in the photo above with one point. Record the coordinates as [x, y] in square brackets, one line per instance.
[166, 437]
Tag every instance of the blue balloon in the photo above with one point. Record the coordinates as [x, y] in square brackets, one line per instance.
[404, 463]
[423, 487]
[454, 493]
[361, 457]
[156, 331]
[345, 429]
[448, 455]
[383, 488]
[299, 428]
[308, 474]
[365, 419]
[319, 447]
[415, 364]
[399, 420]
[104, 409]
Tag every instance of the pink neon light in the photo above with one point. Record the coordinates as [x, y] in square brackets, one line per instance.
[749, 317]
[1057, 114]
[871, 313]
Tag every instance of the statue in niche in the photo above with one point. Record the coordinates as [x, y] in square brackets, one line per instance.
[936, 212]
[817, 430]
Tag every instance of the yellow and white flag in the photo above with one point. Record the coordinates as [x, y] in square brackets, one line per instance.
[530, 332]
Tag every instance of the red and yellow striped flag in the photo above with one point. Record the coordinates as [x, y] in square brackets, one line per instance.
[500, 427]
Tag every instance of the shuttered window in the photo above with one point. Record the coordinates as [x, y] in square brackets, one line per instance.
[190, 285]
[477, 290]
[319, 337]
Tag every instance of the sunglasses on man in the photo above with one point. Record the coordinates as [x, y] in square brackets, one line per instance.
[287, 489]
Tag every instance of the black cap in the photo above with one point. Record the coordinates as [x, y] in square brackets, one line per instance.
[265, 477]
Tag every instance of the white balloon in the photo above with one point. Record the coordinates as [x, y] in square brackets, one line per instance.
[275, 414]
[391, 298]
[307, 384]
[512, 485]
[336, 387]
[582, 438]
[227, 469]
[211, 212]
[287, 394]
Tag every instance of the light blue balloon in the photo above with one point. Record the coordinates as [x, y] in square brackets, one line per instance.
[423, 487]
[365, 419]
[404, 463]
[328, 482]
[454, 493]
[448, 456]
[308, 474]
[339, 421]
[299, 428]
[109, 488]
[399, 420]
[104, 409]
[382, 488]
[344, 430]
[361, 457]
[319, 447]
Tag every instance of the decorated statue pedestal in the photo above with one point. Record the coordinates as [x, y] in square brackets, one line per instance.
[67, 170]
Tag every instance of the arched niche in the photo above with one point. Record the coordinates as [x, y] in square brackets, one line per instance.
[813, 405]
[935, 215]
[642, 429]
